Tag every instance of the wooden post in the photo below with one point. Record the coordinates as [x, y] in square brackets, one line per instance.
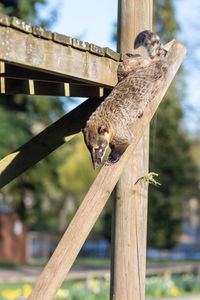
[67, 250]
[128, 261]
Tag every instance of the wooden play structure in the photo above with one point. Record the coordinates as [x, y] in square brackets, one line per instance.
[35, 61]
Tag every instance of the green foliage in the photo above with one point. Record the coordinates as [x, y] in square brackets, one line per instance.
[21, 118]
[25, 10]
[77, 174]
[17, 127]
[158, 286]
[170, 155]
[170, 150]
[165, 23]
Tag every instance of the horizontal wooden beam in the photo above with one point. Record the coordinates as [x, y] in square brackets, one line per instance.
[16, 72]
[26, 50]
[47, 141]
[12, 86]
[91, 207]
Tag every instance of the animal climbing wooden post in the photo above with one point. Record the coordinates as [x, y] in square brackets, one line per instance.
[130, 204]
[68, 248]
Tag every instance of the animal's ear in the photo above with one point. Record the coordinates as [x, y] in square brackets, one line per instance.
[102, 130]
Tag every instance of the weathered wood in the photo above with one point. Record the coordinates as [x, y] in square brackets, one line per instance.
[62, 39]
[47, 141]
[129, 253]
[93, 203]
[11, 86]
[80, 45]
[21, 25]
[130, 204]
[141, 19]
[4, 20]
[110, 53]
[41, 32]
[29, 51]
[97, 50]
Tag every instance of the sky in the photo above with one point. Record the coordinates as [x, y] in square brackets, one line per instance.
[94, 21]
[187, 13]
[90, 20]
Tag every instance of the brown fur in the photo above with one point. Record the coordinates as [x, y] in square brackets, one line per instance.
[111, 123]
[151, 41]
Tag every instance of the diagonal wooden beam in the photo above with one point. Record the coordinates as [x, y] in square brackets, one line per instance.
[47, 141]
[93, 203]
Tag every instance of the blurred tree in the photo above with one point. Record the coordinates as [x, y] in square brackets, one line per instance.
[170, 149]
[77, 168]
[21, 118]
[26, 10]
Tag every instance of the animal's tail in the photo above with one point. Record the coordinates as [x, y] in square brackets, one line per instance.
[151, 41]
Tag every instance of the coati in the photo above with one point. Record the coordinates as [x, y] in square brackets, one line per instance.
[111, 123]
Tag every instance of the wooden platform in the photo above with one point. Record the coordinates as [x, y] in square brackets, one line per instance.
[37, 61]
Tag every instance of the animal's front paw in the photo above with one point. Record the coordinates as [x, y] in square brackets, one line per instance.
[112, 160]
[115, 154]
[133, 55]
[108, 163]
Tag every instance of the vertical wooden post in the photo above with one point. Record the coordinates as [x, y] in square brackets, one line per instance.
[130, 206]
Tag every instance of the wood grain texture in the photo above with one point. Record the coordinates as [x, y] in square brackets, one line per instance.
[129, 261]
[93, 203]
[27, 50]
[128, 264]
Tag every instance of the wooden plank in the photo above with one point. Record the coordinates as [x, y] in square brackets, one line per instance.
[31, 87]
[2, 67]
[130, 204]
[29, 51]
[16, 72]
[91, 207]
[2, 83]
[47, 141]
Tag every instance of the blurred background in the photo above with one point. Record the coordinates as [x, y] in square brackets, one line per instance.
[36, 208]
